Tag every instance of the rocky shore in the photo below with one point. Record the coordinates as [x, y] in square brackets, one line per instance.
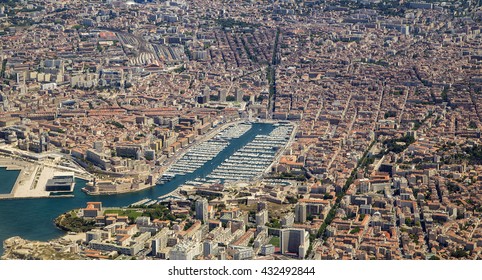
[17, 248]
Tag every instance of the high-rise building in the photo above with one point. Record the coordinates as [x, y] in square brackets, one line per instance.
[202, 99]
[207, 92]
[294, 242]
[222, 95]
[262, 217]
[239, 95]
[210, 248]
[222, 253]
[262, 205]
[155, 245]
[288, 220]
[186, 250]
[99, 146]
[363, 185]
[202, 210]
[300, 213]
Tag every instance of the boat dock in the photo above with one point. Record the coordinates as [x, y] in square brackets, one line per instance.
[198, 156]
[252, 160]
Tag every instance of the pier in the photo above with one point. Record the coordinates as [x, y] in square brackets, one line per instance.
[247, 163]
[34, 175]
[252, 160]
[199, 155]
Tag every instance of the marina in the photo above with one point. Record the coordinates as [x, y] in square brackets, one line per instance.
[196, 157]
[44, 210]
[252, 160]
[199, 155]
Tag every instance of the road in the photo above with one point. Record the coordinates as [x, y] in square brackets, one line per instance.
[475, 227]
[281, 152]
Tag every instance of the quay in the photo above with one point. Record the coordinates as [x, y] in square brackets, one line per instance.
[34, 176]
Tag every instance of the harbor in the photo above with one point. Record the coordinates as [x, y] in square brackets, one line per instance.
[199, 155]
[35, 179]
[44, 210]
[252, 160]
[8, 177]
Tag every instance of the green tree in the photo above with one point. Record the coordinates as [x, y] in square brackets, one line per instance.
[459, 254]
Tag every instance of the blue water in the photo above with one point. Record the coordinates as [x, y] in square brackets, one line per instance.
[7, 179]
[33, 218]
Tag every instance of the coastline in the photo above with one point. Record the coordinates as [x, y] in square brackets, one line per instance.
[170, 161]
[211, 134]
[118, 192]
[30, 180]
[33, 176]
[12, 190]
[45, 211]
[13, 165]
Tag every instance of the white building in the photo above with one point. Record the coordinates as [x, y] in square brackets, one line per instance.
[294, 241]
[186, 250]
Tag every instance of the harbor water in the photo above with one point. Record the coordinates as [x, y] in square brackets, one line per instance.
[7, 179]
[33, 218]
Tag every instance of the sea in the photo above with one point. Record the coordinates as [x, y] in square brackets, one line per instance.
[32, 219]
[7, 179]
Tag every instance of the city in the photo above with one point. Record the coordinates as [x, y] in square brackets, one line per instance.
[239, 130]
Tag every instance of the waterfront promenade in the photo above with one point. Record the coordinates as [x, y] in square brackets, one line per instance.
[25, 185]
[33, 176]
[196, 142]
[44, 210]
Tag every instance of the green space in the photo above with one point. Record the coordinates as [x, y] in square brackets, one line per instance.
[180, 69]
[362, 163]
[390, 114]
[116, 124]
[274, 223]
[289, 176]
[472, 125]
[398, 145]
[160, 212]
[470, 155]
[459, 254]
[4, 66]
[131, 213]
[355, 230]
[70, 222]
[274, 241]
